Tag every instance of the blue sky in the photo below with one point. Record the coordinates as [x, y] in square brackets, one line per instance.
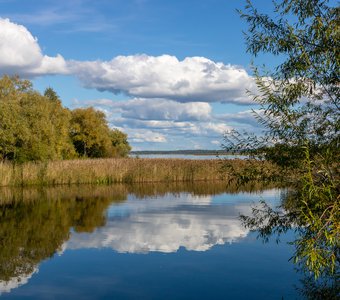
[172, 74]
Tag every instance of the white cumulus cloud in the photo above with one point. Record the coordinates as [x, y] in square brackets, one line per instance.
[20, 53]
[192, 79]
[141, 136]
[160, 109]
[157, 109]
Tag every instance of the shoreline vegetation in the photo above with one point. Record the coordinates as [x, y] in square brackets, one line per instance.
[132, 170]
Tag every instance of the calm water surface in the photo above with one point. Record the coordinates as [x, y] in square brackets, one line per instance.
[188, 156]
[139, 242]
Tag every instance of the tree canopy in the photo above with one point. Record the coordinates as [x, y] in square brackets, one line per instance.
[38, 127]
[92, 137]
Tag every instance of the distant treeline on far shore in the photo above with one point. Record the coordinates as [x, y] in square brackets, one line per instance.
[183, 152]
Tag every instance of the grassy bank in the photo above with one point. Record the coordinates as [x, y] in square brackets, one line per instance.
[129, 170]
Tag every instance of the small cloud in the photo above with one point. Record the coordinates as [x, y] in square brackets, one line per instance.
[158, 109]
[147, 136]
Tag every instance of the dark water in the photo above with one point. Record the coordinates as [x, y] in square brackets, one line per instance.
[139, 242]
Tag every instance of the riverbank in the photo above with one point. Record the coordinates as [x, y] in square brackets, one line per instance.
[125, 170]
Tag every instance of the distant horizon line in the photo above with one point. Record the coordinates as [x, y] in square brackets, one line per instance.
[187, 151]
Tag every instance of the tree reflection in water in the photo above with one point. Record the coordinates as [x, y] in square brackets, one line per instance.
[34, 224]
[317, 252]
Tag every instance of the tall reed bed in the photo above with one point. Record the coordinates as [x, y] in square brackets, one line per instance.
[105, 171]
[133, 170]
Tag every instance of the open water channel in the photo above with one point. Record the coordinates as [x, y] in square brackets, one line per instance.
[140, 242]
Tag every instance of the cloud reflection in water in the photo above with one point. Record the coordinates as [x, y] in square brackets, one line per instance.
[164, 224]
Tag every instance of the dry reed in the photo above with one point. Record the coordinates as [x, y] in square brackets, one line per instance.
[105, 171]
[119, 170]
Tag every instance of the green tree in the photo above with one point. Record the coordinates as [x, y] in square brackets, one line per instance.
[90, 133]
[31, 126]
[60, 118]
[299, 103]
[38, 127]
[299, 100]
[13, 129]
[120, 144]
[51, 94]
[92, 136]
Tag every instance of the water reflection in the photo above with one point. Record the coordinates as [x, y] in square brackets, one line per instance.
[165, 224]
[316, 239]
[36, 224]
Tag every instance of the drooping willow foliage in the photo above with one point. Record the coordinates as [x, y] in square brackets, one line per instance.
[299, 114]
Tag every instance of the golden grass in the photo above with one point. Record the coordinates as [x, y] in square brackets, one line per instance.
[116, 170]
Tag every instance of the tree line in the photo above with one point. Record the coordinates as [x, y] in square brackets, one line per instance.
[36, 127]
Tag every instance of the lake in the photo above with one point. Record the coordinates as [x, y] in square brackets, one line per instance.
[140, 242]
[189, 156]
